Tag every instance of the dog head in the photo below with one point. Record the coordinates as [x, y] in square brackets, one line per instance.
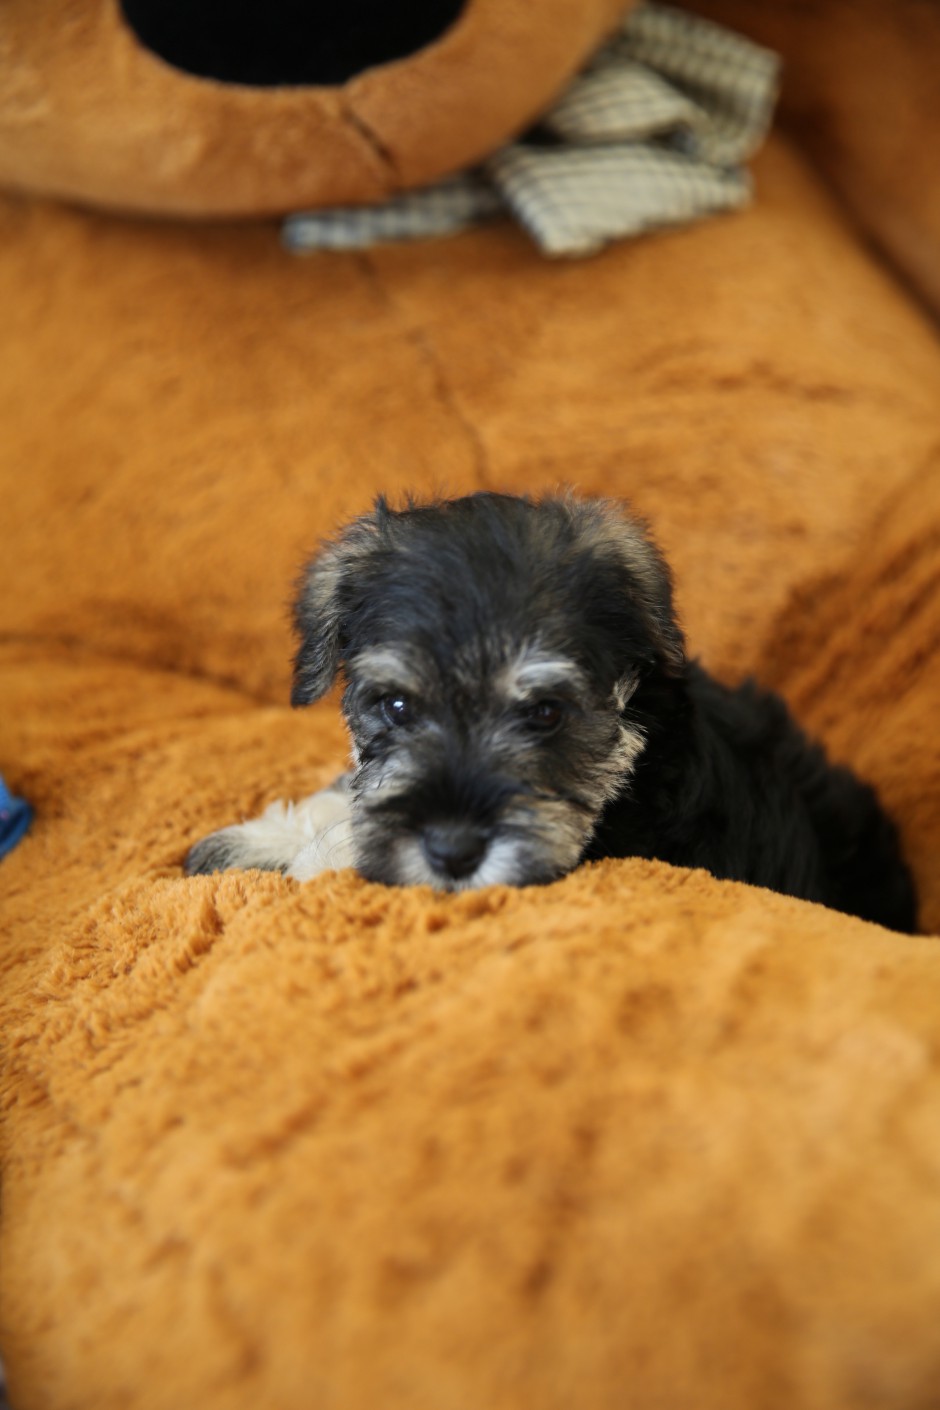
[490, 646]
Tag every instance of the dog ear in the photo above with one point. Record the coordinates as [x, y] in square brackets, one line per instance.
[322, 605]
[608, 527]
[318, 622]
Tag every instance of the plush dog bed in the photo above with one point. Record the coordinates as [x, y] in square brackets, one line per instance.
[636, 1138]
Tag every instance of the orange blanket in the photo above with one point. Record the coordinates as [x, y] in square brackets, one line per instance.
[638, 1137]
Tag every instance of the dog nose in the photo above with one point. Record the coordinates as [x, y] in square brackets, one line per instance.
[454, 849]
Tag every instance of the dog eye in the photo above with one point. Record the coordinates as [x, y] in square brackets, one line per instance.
[396, 709]
[544, 716]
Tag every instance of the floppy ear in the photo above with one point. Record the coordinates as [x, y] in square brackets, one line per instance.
[653, 580]
[609, 527]
[318, 623]
[322, 604]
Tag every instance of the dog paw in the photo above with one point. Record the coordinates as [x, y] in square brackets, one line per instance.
[217, 852]
[301, 839]
[324, 823]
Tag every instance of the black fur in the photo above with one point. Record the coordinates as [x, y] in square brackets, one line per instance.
[725, 779]
[213, 853]
[729, 782]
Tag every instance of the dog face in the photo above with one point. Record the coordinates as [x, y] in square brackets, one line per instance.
[490, 647]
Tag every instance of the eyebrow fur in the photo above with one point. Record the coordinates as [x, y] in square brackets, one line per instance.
[381, 666]
[534, 672]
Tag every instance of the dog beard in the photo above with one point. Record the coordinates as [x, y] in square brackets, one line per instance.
[533, 840]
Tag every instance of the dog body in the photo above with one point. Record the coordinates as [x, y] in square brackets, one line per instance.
[520, 700]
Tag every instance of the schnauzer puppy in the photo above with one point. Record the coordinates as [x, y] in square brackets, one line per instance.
[520, 700]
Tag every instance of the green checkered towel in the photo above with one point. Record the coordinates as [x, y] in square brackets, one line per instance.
[653, 133]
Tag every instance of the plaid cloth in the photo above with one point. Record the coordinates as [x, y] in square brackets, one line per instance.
[653, 133]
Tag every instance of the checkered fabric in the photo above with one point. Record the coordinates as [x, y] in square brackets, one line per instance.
[653, 133]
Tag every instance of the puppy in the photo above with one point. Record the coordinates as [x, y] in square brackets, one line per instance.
[520, 700]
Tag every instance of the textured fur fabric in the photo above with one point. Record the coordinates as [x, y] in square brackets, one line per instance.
[638, 1133]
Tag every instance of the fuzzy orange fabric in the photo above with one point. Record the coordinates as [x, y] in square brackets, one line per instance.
[638, 1137]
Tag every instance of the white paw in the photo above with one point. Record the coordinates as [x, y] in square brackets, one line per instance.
[300, 839]
[324, 820]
